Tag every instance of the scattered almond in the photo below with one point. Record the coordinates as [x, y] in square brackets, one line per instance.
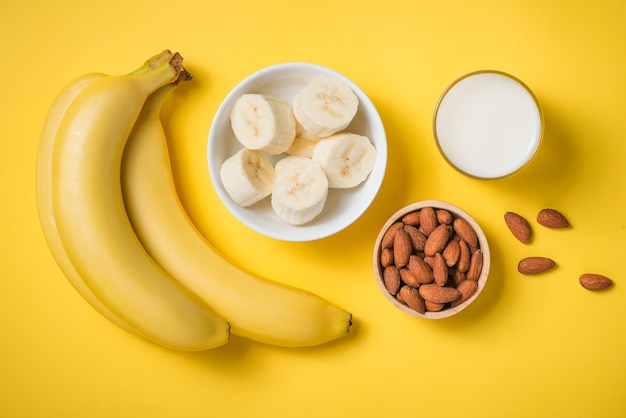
[552, 218]
[595, 282]
[519, 226]
[535, 265]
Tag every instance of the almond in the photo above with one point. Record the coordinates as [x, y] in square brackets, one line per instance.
[434, 307]
[451, 253]
[411, 218]
[386, 257]
[417, 238]
[466, 232]
[519, 226]
[427, 255]
[535, 265]
[552, 218]
[458, 277]
[391, 279]
[411, 297]
[467, 288]
[420, 269]
[464, 257]
[390, 234]
[402, 248]
[443, 217]
[434, 293]
[408, 277]
[437, 240]
[476, 266]
[428, 220]
[440, 270]
[595, 282]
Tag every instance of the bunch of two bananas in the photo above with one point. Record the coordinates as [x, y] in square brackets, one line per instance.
[114, 223]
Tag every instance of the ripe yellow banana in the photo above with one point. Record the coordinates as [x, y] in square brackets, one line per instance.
[44, 189]
[256, 308]
[96, 237]
[44, 194]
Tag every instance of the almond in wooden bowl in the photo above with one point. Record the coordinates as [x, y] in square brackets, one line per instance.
[431, 259]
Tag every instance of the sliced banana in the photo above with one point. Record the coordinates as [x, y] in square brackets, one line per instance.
[304, 134]
[247, 176]
[346, 158]
[325, 106]
[300, 189]
[264, 123]
[302, 147]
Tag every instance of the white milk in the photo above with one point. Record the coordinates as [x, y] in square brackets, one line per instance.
[488, 124]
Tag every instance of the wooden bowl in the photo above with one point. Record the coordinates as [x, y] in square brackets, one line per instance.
[449, 308]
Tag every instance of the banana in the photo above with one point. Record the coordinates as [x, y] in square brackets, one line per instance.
[325, 106]
[44, 189]
[302, 147]
[300, 190]
[257, 308]
[347, 159]
[91, 220]
[44, 194]
[264, 123]
[303, 134]
[247, 176]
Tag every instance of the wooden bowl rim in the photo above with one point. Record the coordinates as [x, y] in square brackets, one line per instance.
[482, 240]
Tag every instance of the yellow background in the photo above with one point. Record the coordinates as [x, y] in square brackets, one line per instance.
[528, 347]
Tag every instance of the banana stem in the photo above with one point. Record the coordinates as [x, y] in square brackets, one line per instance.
[152, 63]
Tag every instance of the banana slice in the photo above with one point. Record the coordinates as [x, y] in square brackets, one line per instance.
[264, 123]
[304, 134]
[302, 147]
[325, 106]
[300, 189]
[346, 158]
[247, 176]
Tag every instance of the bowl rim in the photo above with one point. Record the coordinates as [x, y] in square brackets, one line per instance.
[482, 240]
[368, 111]
[534, 98]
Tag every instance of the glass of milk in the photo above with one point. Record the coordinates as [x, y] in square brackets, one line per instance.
[488, 125]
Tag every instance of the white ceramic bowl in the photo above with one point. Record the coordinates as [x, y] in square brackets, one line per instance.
[343, 207]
